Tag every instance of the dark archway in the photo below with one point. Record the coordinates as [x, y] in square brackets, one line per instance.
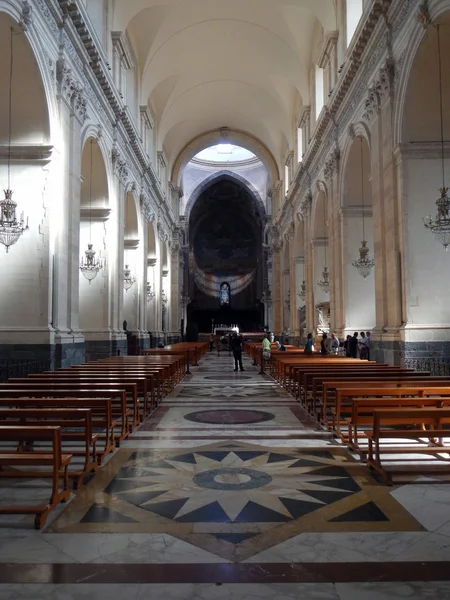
[225, 244]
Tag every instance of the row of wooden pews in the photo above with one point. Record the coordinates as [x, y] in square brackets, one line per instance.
[61, 425]
[395, 419]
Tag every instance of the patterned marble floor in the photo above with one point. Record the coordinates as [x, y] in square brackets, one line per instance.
[230, 491]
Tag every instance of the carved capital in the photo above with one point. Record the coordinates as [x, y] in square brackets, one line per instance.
[371, 104]
[120, 165]
[71, 90]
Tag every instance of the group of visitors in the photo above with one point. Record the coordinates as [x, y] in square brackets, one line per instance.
[358, 347]
[354, 346]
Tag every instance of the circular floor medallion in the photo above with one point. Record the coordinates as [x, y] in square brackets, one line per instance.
[228, 479]
[229, 417]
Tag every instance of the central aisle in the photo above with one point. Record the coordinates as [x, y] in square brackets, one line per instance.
[229, 491]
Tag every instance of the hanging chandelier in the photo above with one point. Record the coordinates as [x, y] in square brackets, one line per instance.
[10, 227]
[302, 293]
[440, 224]
[128, 279]
[150, 293]
[89, 266]
[364, 263]
[324, 283]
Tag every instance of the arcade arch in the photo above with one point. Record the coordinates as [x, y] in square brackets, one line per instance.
[94, 198]
[359, 293]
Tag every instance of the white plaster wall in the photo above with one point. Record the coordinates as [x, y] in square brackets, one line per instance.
[359, 304]
[93, 300]
[24, 296]
[427, 266]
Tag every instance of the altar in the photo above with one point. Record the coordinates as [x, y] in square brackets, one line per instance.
[220, 331]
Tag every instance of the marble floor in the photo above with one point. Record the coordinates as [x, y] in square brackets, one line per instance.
[229, 491]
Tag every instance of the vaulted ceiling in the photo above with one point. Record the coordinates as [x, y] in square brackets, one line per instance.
[242, 64]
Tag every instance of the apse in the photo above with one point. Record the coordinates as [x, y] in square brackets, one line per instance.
[225, 237]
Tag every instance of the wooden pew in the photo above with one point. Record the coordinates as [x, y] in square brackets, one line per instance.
[76, 427]
[344, 397]
[363, 411]
[147, 383]
[56, 460]
[130, 385]
[309, 380]
[384, 375]
[409, 424]
[117, 396]
[100, 408]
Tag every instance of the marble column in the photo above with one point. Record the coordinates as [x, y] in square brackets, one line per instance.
[72, 111]
[387, 251]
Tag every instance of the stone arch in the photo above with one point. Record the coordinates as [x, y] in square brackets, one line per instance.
[32, 128]
[151, 241]
[439, 11]
[131, 228]
[92, 130]
[30, 63]
[219, 176]
[93, 299]
[419, 164]
[238, 138]
[356, 188]
[358, 129]
[319, 212]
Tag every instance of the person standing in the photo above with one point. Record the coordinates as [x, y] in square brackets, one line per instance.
[363, 346]
[236, 346]
[368, 344]
[334, 344]
[309, 344]
[323, 344]
[353, 345]
[211, 342]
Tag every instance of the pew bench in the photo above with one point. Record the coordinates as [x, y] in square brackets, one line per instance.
[101, 417]
[363, 409]
[345, 396]
[117, 398]
[11, 462]
[77, 437]
[429, 454]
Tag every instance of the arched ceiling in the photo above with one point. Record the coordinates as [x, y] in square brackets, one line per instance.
[242, 64]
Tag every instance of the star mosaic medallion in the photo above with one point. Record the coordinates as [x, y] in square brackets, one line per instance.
[233, 499]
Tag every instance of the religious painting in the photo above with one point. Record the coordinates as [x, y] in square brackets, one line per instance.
[224, 294]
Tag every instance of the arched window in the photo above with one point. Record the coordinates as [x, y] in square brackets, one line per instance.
[319, 91]
[224, 293]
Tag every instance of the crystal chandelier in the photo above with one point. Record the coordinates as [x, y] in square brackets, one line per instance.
[440, 224]
[324, 283]
[150, 293]
[10, 228]
[128, 279]
[302, 293]
[364, 263]
[89, 266]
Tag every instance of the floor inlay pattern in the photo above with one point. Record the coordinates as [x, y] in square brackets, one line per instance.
[234, 500]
